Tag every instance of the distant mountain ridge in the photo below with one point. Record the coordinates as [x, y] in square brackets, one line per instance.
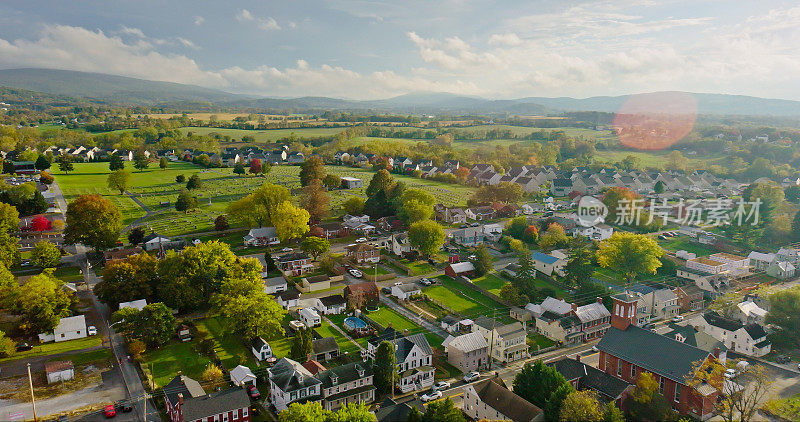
[131, 91]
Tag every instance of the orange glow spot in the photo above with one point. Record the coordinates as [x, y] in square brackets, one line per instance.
[655, 121]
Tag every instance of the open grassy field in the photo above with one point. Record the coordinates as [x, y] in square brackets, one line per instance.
[230, 348]
[386, 316]
[682, 243]
[788, 408]
[490, 283]
[265, 136]
[460, 298]
[53, 348]
[164, 363]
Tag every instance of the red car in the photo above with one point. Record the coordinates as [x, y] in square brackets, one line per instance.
[109, 411]
[253, 392]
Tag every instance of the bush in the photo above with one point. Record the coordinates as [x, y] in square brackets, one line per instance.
[136, 348]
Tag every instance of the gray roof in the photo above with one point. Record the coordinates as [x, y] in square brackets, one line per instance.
[695, 338]
[493, 393]
[274, 281]
[507, 330]
[182, 384]
[592, 312]
[215, 403]
[408, 287]
[344, 373]
[557, 306]
[332, 300]
[325, 345]
[289, 375]
[468, 342]
[651, 351]
[590, 377]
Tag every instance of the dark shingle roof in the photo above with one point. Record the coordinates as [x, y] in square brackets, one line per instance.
[345, 373]
[590, 377]
[756, 331]
[332, 300]
[651, 351]
[717, 320]
[324, 345]
[495, 394]
[286, 375]
[182, 384]
[215, 403]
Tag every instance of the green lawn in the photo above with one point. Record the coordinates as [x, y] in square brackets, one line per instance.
[230, 348]
[679, 243]
[59, 347]
[536, 339]
[164, 363]
[490, 282]
[385, 316]
[281, 346]
[265, 136]
[69, 274]
[94, 356]
[326, 330]
[460, 298]
[788, 408]
[419, 267]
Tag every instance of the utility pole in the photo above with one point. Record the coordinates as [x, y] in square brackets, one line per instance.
[33, 399]
[491, 343]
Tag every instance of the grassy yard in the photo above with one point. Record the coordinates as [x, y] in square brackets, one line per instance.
[69, 274]
[536, 339]
[386, 316]
[490, 282]
[93, 356]
[682, 243]
[230, 348]
[419, 267]
[164, 363]
[54, 348]
[461, 298]
[788, 408]
[326, 330]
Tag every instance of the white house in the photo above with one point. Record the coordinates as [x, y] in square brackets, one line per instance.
[135, 304]
[548, 264]
[261, 349]
[261, 236]
[155, 242]
[309, 317]
[351, 183]
[290, 382]
[400, 244]
[59, 371]
[242, 376]
[414, 359]
[288, 299]
[747, 339]
[331, 305]
[69, 328]
[274, 285]
[490, 400]
[748, 312]
[406, 291]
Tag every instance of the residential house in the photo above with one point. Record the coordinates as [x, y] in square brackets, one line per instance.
[490, 400]
[561, 187]
[468, 352]
[712, 285]
[586, 377]
[389, 223]
[261, 349]
[295, 263]
[363, 253]
[275, 285]
[331, 305]
[690, 297]
[261, 236]
[595, 319]
[296, 157]
[748, 312]
[401, 246]
[470, 236]
[781, 270]
[454, 216]
[492, 232]
[309, 317]
[315, 283]
[406, 291]
[693, 336]
[507, 342]
[333, 230]
[134, 304]
[275, 157]
[656, 303]
[361, 294]
[69, 328]
[568, 323]
[627, 350]
[154, 242]
[414, 359]
[548, 264]
[351, 183]
[288, 299]
[720, 263]
[466, 269]
[747, 339]
[186, 401]
[290, 382]
[480, 213]
[346, 384]
[324, 349]
[59, 370]
[242, 376]
[520, 314]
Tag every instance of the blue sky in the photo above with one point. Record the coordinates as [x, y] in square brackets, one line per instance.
[373, 49]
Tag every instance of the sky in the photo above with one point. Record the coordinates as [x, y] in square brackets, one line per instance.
[369, 49]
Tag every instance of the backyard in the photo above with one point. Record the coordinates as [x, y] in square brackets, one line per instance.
[682, 243]
[386, 316]
[460, 298]
[53, 348]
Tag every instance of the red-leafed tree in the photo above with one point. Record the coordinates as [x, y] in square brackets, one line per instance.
[255, 166]
[40, 223]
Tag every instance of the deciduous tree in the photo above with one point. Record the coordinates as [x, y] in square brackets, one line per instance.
[426, 236]
[221, 223]
[554, 237]
[258, 208]
[41, 223]
[42, 302]
[45, 255]
[332, 181]
[581, 406]
[536, 382]
[154, 324]
[93, 221]
[354, 205]
[140, 160]
[65, 163]
[115, 162]
[785, 312]
[315, 246]
[255, 166]
[194, 182]
[290, 221]
[136, 235]
[384, 367]
[186, 201]
[250, 312]
[163, 163]
[483, 261]
[132, 278]
[630, 254]
[118, 180]
[443, 411]
[239, 169]
[315, 200]
[304, 412]
[416, 205]
[381, 181]
[312, 169]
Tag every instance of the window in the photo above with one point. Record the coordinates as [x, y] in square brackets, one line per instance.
[661, 385]
[633, 371]
[225, 418]
[619, 368]
[245, 411]
[677, 393]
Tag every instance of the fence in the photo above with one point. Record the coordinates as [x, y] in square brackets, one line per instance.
[468, 283]
[379, 277]
[397, 264]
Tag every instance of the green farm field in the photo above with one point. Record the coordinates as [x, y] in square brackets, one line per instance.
[264, 136]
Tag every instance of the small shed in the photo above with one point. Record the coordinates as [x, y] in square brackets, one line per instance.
[242, 376]
[60, 370]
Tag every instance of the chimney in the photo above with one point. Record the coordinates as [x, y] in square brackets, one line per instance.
[716, 352]
[180, 398]
[578, 357]
[599, 300]
[574, 307]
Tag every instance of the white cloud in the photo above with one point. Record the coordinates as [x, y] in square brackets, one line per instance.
[188, 43]
[267, 24]
[132, 31]
[199, 20]
[509, 38]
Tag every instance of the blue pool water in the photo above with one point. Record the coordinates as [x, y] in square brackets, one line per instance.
[354, 323]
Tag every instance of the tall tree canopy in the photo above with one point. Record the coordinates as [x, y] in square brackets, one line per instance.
[93, 221]
[630, 254]
[258, 208]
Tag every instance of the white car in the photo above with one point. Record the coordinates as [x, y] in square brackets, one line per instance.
[433, 395]
[361, 240]
[287, 250]
[398, 283]
[677, 318]
[91, 330]
[471, 376]
[356, 273]
[730, 373]
[442, 385]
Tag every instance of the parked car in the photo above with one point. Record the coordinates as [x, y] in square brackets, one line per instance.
[471, 376]
[287, 250]
[441, 385]
[425, 281]
[253, 392]
[91, 330]
[386, 290]
[471, 257]
[124, 405]
[463, 226]
[431, 395]
[677, 318]
[25, 263]
[730, 373]
[398, 283]
[109, 411]
[475, 224]
[361, 240]
[23, 347]
[783, 359]
[356, 273]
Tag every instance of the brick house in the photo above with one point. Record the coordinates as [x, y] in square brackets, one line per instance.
[362, 252]
[627, 350]
[186, 401]
[367, 291]
[690, 298]
[295, 263]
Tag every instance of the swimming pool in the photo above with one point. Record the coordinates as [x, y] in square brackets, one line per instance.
[354, 323]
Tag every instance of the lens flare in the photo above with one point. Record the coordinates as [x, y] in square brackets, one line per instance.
[655, 121]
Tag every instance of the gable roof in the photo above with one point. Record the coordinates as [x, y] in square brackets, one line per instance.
[324, 345]
[558, 306]
[182, 384]
[590, 377]
[543, 257]
[332, 300]
[289, 375]
[651, 351]
[493, 393]
[214, 403]
[462, 267]
[345, 373]
[592, 312]
[468, 342]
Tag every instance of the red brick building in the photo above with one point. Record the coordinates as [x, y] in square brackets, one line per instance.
[627, 350]
[186, 401]
[362, 252]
